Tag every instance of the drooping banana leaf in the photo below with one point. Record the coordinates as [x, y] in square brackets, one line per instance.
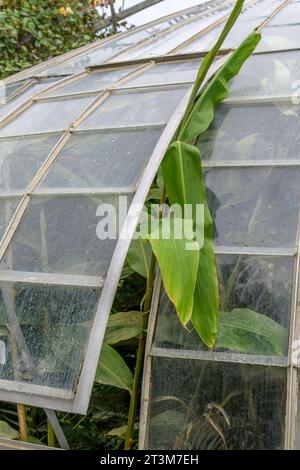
[245, 331]
[178, 265]
[113, 370]
[182, 172]
[184, 160]
[7, 431]
[217, 90]
[139, 256]
[123, 326]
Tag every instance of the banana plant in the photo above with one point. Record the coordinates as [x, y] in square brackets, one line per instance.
[183, 180]
[189, 277]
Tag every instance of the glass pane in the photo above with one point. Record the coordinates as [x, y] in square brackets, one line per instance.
[7, 210]
[105, 159]
[280, 38]
[49, 116]
[268, 75]
[254, 206]
[137, 108]
[94, 81]
[251, 132]
[261, 284]
[20, 159]
[197, 405]
[162, 74]
[18, 101]
[44, 333]
[59, 234]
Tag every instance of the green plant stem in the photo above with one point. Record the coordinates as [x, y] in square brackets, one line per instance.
[22, 423]
[141, 347]
[50, 435]
[140, 357]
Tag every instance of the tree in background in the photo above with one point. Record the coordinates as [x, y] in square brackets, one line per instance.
[32, 31]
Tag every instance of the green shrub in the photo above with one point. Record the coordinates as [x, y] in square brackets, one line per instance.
[32, 31]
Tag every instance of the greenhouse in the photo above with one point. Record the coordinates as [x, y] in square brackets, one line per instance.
[91, 127]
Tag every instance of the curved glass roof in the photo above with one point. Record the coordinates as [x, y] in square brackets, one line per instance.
[91, 128]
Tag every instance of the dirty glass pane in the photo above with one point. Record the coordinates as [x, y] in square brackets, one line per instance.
[44, 333]
[254, 206]
[280, 38]
[102, 159]
[7, 208]
[268, 75]
[60, 234]
[92, 82]
[248, 132]
[20, 159]
[162, 74]
[260, 284]
[135, 108]
[199, 405]
[49, 116]
[19, 100]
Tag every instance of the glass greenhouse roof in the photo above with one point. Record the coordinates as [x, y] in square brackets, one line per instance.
[89, 127]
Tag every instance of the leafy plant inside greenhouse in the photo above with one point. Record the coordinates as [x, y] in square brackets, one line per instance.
[170, 322]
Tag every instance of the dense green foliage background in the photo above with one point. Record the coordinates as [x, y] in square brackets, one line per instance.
[33, 31]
